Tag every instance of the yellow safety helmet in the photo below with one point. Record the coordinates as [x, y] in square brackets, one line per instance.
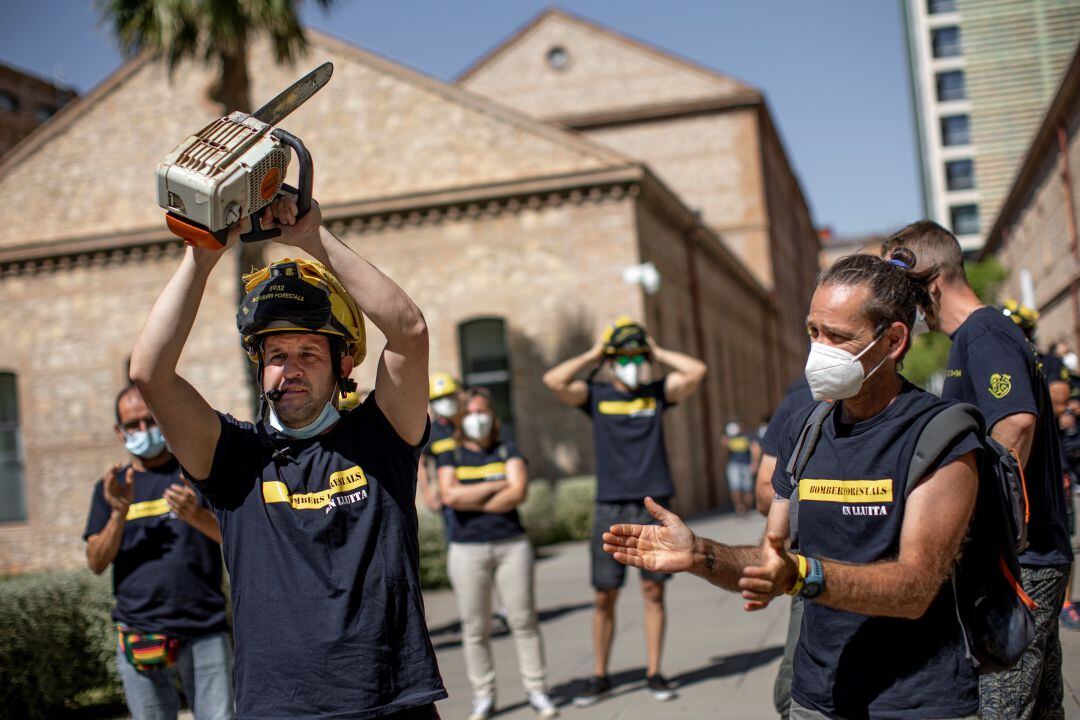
[441, 384]
[350, 400]
[625, 337]
[1022, 315]
[299, 295]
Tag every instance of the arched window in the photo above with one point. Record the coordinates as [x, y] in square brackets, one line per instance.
[485, 362]
[8, 103]
[12, 489]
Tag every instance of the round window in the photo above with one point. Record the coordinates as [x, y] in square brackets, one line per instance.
[557, 57]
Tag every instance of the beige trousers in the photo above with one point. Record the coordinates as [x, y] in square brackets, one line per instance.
[475, 569]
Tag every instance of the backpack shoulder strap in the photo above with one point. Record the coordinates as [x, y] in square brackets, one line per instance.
[800, 455]
[808, 439]
[938, 434]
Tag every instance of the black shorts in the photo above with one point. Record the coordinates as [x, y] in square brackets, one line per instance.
[607, 572]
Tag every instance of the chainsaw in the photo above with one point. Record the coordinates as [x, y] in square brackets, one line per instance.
[234, 167]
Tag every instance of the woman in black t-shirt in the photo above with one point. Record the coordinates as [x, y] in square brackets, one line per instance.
[483, 480]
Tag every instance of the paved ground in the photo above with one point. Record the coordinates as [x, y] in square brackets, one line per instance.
[723, 658]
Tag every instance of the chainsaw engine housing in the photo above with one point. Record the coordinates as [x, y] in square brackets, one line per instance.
[230, 169]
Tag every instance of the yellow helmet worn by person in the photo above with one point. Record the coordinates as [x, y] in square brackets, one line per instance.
[441, 384]
[1026, 318]
[297, 295]
[625, 337]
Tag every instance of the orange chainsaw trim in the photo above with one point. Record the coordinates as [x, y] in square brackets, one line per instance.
[193, 235]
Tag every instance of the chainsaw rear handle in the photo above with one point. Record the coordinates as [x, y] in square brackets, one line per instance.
[302, 193]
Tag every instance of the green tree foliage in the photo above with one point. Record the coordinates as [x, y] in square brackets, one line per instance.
[930, 352]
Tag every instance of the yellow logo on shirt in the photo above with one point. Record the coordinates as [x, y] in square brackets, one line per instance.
[634, 408]
[846, 491]
[491, 471]
[150, 508]
[738, 444]
[343, 481]
[1000, 385]
[954, 373]
[442, 446]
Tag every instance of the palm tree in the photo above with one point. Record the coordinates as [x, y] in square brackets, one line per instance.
[216, 32]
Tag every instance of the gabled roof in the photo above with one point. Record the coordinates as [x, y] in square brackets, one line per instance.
[604, 71]
[377, 130]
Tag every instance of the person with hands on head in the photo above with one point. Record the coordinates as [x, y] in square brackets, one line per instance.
[482, 480]
[149, 523]
[880, 636]
[316, 506]
[626, 406]
[994, 366]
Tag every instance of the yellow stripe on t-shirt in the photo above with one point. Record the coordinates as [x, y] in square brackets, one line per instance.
[846, 491]
[343, 481]
[491, 471]
[442, 446]
[626, 407]
[739, 444]
[149, 508]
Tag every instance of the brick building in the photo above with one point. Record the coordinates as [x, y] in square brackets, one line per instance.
[1036, 231]
[511, 231]
[26, 101]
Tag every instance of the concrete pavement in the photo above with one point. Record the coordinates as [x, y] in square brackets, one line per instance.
[723, 659]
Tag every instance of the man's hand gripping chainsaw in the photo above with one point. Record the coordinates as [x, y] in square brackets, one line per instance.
[234, 167]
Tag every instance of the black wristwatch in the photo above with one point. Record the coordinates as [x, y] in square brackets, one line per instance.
[814, 584]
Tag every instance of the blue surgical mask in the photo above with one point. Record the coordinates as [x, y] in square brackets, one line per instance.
[326, 419]
[145, 443]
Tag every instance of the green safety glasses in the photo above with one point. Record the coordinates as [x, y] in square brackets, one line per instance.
[630, 359]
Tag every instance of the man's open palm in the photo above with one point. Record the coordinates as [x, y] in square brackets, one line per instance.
[668, 547]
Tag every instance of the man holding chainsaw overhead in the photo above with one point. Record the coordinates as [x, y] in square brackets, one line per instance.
[315, 505]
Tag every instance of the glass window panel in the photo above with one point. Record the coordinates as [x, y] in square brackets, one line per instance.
[965, 219]
[960, 174]
[951, 86]
[485, 362]
[955, 130]
[9, 410]
[12, 498]
[934, 7]
[945, 41]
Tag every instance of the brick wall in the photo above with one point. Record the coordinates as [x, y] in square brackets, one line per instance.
[35, 101]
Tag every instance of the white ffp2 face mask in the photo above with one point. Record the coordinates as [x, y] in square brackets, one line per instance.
[477, 426]
[444, 407]
[836, 374]
[629, 375]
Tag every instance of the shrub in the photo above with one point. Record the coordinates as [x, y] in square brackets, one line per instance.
[56, 641]
[432, 550]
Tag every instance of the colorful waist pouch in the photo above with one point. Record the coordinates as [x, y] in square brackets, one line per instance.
[146, 651]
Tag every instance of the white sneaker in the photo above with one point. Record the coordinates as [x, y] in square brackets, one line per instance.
[482, 707]
[542, 704]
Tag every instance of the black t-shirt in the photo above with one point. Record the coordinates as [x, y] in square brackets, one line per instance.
[994, 367]
[320, 539]
[739, 449]
[442, 439]
[851, 508]
[471, 466]
[628, 432]
[1054, 368]
[798, 397]
[167, 574]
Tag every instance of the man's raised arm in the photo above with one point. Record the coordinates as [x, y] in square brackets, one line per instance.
[187, 420]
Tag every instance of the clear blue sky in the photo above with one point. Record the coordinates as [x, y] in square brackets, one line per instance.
[834, 72]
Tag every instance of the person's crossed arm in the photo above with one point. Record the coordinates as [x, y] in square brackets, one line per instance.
[935, 522]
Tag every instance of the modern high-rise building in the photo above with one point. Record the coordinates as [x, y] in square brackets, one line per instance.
[982, 73]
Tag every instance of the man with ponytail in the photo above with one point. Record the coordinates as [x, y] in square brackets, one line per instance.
[316, 504]
[993, 366]
[875, 542]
